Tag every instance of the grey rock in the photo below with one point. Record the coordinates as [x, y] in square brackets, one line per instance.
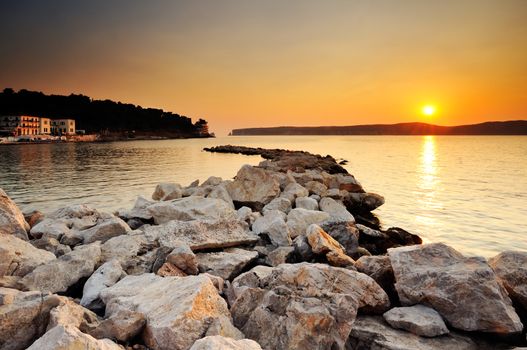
[226, 264]
[218, 342]
[183, 258]
[253, 187]
[336, 210]
[191, 208]
[417, 319]
[273, 225]
[306, 203]
[282, 204]
[167, 191]
[293, 191]
[511, 269]
[12, 220]
[69, 337]
[18, 257]
[105, 276]
[220, 192]
[299, 219]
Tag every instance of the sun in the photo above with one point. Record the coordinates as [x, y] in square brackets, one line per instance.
[428, 110]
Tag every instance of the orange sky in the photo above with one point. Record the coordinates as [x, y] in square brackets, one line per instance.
[247, 63]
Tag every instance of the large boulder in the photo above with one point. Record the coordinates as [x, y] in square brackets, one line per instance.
[226, 264]
[59, 274]
[417, 319]
[465, 291]
[12, 220]
[220, 192]
[380, 269]
[299, 219]
[18, 257]
[511, 269]
[191, 208]
[70, 338]
[336, 210]
[302, 306]
[204, 234]
[105, 276]
[253, 187]
[371, 332]
[217, 342]
[274, 226]
[178, 310]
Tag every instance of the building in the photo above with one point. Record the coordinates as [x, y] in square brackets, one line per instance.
[44, 126]
[63, 126]
[18, 125]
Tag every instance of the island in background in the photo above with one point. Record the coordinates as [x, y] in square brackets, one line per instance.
[515, 127]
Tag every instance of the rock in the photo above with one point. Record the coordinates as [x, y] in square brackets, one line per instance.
[299, 219]
[70, 338]
[249, 279]
[345, 182]
[306, 203]
[380, 269]
[370, 232]
[346, 234]
[303, 306]
[322, 243]
[363, 202]
[511, 269]
[212, 181]
[50, 228]
[293, 191]
[315, 187]
[379, 242]
[184, 259]
[220, 192]
[167, 191]
[303, 251]
[123, 325]
[191, 208]
[33, 217]
[168, 269]
[18, 257]
[135, 252]
[51, 245]
[336, 210]
[315, 197]
[459, 288]
[23, 317]
[139, 211]
[59, 274]
[12, 220]
[282, 204]
[280, 255]
[417, 319]
[105, 276]
[178, 310]
[218, 342]
[206, 234]
[69, 313]
[107, 226]
[226, 264]
[334, 193]
[253, 187]
[371, 332]
[273, 225]
[245, 214]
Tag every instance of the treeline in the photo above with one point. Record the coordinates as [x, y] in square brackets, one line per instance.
[99, 116]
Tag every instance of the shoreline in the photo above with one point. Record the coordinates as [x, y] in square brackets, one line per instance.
[295, 233]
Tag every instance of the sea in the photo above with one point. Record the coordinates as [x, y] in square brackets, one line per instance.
[469, 192]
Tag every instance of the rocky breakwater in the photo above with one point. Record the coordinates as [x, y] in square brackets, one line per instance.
[287, 255]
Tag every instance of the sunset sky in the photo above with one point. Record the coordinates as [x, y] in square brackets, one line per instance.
[246, 63]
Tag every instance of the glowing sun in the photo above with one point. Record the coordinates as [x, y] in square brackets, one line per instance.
[428, 110]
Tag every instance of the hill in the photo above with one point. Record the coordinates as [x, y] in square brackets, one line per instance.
[516, 127]
[101, 116]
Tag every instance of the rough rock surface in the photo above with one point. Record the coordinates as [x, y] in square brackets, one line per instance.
[380, 269]
[346, 234]
[418, 319]
[322, 243]
[57, 275]
[511, 269]
[217, 342]
[122, 326]
[220, 192]
[167, 191]
[226, 264]
[184, 259]
[459, 288]
[280, 203]
[306, 203]
[12, 220]
[178, 310]
[191, 208]
[293, 191]
[274, 226]
[105, 276]
[371, 332]
[301, 306]
[299, 219]
[18, 257]
[70, 338]
[51, 245]
[337, 211]
[253, 187]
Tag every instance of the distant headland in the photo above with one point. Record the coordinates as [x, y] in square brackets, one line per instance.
[514, 127]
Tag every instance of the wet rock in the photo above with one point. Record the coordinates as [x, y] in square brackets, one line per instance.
[178, 310]
[206, 234]
[70, 338]
[105, 276]
[184, 259]
[315, 187]
[322, 243]
[459, 288]
[363, 202]
[417, 319]
[218, 342]
[371, 332]
[346, 234]
[253, 187]
[220, 192]
[51, 245]
[302, 306]
[511, 269]
[122, 326]
[59, 274]
[18, 257]
[282, 204]
[167, 191]
[12, 220]
[336, 210]
[226, 264]
[299, 219]
[293, 191]
[306, 203]
[191, 208]
[273, 225]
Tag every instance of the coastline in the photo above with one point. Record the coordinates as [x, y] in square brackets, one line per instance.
[296, 232]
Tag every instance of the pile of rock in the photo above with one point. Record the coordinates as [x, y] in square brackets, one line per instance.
[284, 256]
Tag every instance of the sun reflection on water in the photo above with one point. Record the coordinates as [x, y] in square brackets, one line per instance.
[428, 182]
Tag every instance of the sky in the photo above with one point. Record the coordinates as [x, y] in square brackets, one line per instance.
[250, 63]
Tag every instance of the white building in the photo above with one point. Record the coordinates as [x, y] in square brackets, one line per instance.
[63, 126]
[44, 126]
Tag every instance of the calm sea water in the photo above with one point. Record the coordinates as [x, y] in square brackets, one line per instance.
[467, 191]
